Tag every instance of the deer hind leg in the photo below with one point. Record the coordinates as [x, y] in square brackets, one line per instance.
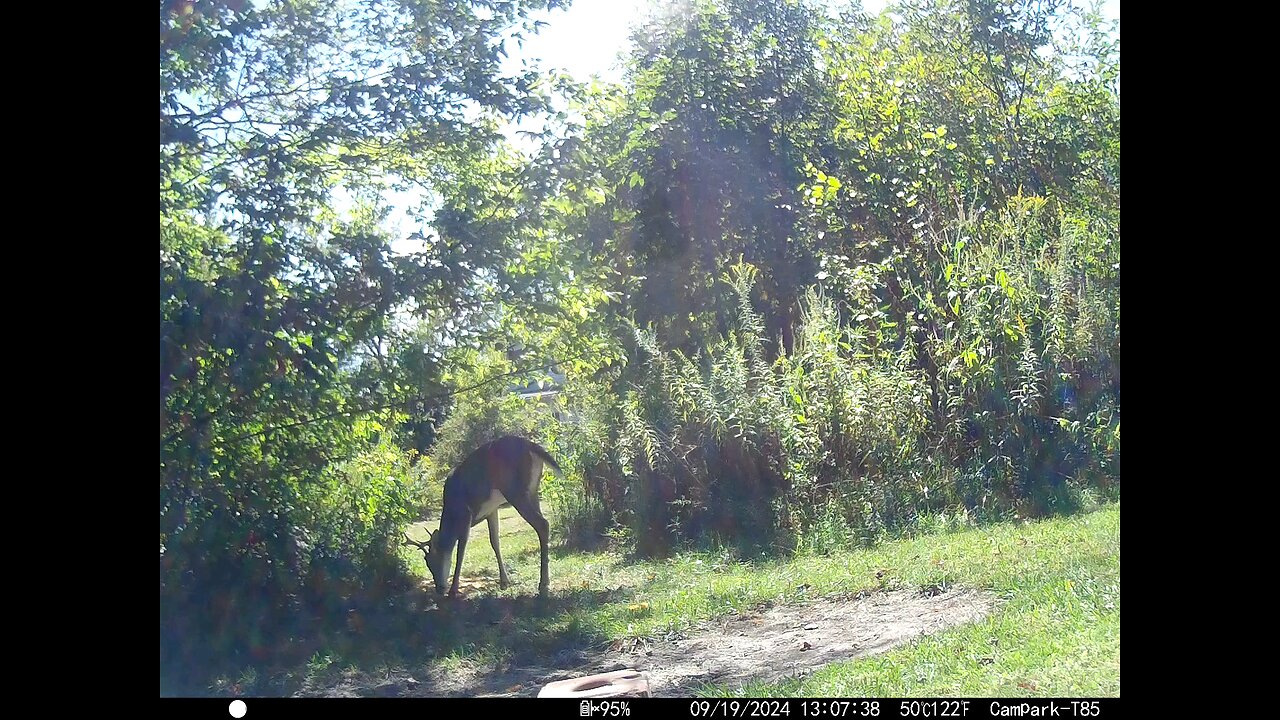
[497, 551]
[530, 510]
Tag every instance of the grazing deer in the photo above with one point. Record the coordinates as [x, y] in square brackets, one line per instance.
[505, 472]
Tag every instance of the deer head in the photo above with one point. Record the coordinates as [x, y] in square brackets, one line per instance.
[431, 553]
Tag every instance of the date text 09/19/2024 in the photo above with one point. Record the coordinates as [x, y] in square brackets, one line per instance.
[898, 708]
[783, 708]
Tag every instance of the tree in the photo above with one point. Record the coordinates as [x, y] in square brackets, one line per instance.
[696, 163]
[274, 304]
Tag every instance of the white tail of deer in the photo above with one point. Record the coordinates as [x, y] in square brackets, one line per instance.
[501, 473]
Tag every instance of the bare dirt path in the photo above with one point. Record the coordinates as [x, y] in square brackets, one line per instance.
[763, 646]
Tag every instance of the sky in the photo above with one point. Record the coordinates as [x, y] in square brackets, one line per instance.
[584, 40]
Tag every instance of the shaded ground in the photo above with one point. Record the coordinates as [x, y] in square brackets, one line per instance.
[763, 646]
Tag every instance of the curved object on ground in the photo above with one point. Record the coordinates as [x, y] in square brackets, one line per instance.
[619, 683]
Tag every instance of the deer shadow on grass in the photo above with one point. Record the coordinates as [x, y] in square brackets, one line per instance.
[419, 644]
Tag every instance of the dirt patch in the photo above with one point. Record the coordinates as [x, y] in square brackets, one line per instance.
[780, 642]
[790, 640]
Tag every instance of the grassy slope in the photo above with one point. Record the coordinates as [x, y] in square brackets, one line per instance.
[1057, 631]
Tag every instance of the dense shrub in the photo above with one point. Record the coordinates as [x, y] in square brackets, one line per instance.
[1017, 411]
[266, 570]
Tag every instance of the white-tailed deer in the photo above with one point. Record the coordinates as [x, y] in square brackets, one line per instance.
[501, 473]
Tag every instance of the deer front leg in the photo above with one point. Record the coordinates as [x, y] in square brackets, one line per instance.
[457, 570]
[497, 551]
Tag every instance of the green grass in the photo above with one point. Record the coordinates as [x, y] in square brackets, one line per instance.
[1056, 630]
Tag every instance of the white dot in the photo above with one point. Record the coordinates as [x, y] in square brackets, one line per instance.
[237, 708]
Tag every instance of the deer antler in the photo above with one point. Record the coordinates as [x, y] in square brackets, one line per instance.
[415, 543]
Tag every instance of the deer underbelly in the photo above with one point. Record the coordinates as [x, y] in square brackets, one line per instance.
[491, 504]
